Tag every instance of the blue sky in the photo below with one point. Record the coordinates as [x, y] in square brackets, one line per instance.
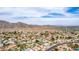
[41, 15]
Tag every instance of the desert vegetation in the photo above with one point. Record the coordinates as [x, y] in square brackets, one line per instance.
[37, 41]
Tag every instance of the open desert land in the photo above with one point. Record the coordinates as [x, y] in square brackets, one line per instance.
[39, 29]
[24, 37]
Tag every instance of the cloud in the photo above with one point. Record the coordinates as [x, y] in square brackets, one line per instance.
[33, 12]
[5, 13]
[38, 12]
[41, 15]
[53, 15]
[20, 17]
[59, 12]
[23, 12]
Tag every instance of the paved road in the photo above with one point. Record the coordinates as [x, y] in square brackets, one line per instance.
[53, 46]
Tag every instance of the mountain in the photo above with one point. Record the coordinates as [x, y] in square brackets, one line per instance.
[5, 24]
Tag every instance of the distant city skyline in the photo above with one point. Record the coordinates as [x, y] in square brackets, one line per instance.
[41, 15]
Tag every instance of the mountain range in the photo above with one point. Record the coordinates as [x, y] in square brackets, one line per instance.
[6, 24]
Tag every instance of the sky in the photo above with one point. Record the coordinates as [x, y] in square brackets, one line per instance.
[65, 16]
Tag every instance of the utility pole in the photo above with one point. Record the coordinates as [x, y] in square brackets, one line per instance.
[66, 29]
